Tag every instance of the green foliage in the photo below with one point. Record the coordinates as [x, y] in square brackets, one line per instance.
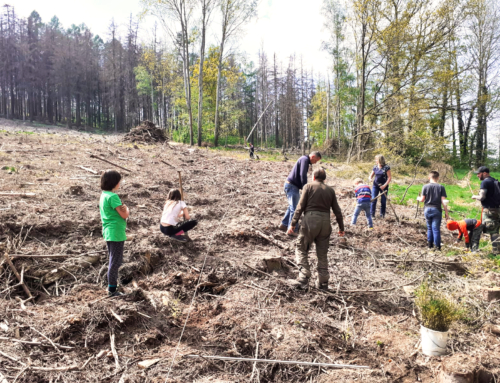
[10, 169]
[437, 312]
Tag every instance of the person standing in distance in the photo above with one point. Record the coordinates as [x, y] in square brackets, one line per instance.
[489, 195]
[316, 201]
[381, 175]
[296, 180]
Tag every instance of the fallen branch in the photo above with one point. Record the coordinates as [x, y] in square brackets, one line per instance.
[116, 316]
[86, 169]
[109, 162]
[31, 343]
[19, 278]
[270, 239]
[113, 350]
[266, 274]
[56, 255]
[17, 194]
[166, 163]
[381, 290]
[278, 361]
[47, 338]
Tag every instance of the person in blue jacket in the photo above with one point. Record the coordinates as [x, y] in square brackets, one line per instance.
[296, 180]
[381, 175]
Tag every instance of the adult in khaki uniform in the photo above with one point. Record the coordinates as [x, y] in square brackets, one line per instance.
[489, 196]
[315, 203]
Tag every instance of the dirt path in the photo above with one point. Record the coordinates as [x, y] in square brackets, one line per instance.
[235, 307]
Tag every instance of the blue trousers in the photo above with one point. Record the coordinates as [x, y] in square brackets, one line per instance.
[364, 206]
[293, 197]
[383, 200]
[433, 217]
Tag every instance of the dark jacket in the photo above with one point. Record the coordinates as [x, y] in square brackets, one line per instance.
[317, 196]
[298, 175]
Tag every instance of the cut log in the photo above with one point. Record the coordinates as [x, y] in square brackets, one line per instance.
[491, 294]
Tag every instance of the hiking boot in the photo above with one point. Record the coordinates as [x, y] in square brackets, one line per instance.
[294, 234]
[430, 245]
[115, 293]
[282, 228]
[178, 238]
[437, 248]
[301, 284]
[321, 285]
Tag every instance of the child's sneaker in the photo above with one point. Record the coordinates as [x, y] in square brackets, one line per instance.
[180, 232]
[115, 293]
[178, 238]
[370, 228]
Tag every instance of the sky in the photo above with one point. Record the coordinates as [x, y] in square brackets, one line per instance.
[284, 27]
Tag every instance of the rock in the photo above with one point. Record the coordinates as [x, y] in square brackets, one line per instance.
[491, 294]
[278, 333]
[409, 290]
[147, 363]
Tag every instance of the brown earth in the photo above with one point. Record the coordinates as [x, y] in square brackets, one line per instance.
[236, 311]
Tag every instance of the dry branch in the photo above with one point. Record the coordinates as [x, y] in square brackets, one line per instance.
[86, 169]
[31, 343]
[278, 361]
[12, 267]
[270, 239]
[109, 162]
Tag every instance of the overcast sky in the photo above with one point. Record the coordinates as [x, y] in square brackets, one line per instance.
[286, 27]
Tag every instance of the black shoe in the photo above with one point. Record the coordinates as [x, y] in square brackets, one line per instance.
[437, 248]
[178, 238]
[301, 284]
[321, 286]
[430, 245]
[115, 293]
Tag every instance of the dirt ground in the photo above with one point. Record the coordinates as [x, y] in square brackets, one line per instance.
[210, 290]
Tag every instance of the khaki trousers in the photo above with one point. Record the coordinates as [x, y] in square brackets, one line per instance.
[491, 223]
[315, 228]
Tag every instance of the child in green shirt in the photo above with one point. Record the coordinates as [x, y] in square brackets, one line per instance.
[113, 217]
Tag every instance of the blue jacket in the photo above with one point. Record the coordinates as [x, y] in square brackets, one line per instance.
[298, 175]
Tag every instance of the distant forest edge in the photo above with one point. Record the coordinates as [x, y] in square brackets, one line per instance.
[413, 80]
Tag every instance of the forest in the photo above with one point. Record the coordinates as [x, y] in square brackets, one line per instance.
[411, 79]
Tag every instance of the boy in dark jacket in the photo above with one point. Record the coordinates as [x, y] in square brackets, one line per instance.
[471, 229]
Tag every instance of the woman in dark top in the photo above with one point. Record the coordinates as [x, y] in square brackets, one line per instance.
[381, 175]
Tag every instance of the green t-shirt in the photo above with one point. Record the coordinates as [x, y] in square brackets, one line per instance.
[113, 225]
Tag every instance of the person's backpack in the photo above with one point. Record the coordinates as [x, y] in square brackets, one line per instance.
[497, 192]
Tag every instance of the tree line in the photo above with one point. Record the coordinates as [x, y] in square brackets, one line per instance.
[411, 79]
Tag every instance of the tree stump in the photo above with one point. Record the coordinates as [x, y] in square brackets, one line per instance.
[272, 264]
[458, 368]
[491, 294]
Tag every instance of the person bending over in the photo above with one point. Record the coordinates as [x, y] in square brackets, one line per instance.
[173, 210]
[470, 229]
[363, 198]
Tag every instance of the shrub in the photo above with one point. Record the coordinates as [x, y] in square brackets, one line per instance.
[436, 311]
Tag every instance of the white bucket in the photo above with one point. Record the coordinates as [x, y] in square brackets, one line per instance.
[433, 342]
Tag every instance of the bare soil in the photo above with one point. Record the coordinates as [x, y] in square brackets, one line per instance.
[233, 310]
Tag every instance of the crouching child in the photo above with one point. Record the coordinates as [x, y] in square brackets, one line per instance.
[470, 229]
[113, 216]
[363, 195]
[173, 210]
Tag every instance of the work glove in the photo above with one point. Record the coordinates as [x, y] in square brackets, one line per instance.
[341, 233]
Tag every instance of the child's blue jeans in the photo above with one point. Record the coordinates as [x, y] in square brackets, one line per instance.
[364, 206]
[433, 217]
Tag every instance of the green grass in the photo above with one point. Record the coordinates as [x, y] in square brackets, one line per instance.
[461, 204]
